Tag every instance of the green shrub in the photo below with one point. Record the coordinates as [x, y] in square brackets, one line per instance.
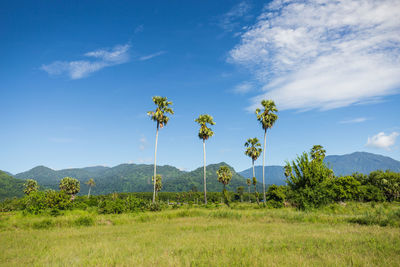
[43, 224]
[111, 206]
[84, 221]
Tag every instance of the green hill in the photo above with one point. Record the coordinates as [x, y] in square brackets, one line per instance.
[10, 186]
[133, 178]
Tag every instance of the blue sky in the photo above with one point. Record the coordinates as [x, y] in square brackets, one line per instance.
[77, 79]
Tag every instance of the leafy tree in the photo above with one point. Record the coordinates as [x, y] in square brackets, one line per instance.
[161, 118]
[224, 177]
[308, 178]
[30, 186]
[90, 183]
[253, 150]
[70, 186]
[317, 153]
[204, 133]
[267, 118]
[248, 182]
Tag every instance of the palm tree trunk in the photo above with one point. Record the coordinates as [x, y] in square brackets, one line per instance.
[254, 175]
[249, 192]
[155, 167]
[90, 187]
[205, 185]
[265, 140]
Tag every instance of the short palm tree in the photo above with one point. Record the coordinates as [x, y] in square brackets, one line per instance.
[253, 150]
[255, 190]
[224, 176]
[161, 118]
[267, 118]
[204, 133]
[90, 183]
[248, 182]
[30, 186]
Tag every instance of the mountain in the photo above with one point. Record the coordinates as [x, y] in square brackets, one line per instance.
[194, 180]
[273, 174]
[10, 187]
[132, 178]
[361, 162]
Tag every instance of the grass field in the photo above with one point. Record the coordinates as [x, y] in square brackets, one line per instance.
[337, 235]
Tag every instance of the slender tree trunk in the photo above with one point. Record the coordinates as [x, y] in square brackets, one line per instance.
[155, 167]
[265, 140]
[90, 187]
[205, 185]
[249, 192]
[254, 174]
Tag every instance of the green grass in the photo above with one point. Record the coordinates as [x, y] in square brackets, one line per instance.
[244, 235]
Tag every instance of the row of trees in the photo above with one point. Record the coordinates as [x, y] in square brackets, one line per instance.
[266, 116]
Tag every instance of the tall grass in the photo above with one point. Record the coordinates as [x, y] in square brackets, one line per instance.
[241, 236]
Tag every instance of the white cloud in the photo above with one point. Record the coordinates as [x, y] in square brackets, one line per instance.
[356, 120]
[317, 54]
[243, 88]
[82, 68]
[382, 141]
[143, 58]
[231, 20]
[143, 143]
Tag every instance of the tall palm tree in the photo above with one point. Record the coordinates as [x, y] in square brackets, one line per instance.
[160, 117]
[204, 133]
[253, 150]
[90, 183]
[267, 118]
[255, 190]
[248, 182]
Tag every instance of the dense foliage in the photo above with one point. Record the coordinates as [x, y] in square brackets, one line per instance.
[10, 186]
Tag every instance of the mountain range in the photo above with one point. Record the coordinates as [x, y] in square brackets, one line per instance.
[136, 177]
[361, 162]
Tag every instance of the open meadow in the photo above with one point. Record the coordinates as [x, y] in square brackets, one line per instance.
[360, 234]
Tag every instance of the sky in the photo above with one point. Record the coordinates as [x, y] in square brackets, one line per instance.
[77, 79]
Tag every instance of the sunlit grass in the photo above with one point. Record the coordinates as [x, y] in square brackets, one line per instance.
[241, 236]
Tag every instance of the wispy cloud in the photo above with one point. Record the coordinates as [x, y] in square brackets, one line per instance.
[101, 58]
[243, 88]
[139, 28]
[231, 20]
[143, 58]
[313, 54]
[142, 143]
[356, 120]
[381, 140]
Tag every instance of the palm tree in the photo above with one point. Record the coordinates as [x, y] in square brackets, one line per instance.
[248, 182]
[158, 183]
[159, 116]
[253, 150]
[90, 183]
[267, 118]
[204, 134]
[224, 176]
[30, 186]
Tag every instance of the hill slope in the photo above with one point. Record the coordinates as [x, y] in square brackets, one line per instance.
[361, 162]
[10, 187]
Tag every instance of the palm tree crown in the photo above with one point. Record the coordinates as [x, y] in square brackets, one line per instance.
[91, 182]
[162, 108]
[253, 148]
[224, 175]
[205, 132]
[267, 117]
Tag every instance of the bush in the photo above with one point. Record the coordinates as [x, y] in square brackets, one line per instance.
[111, 206]
[43, 224]
[276, 196]
[84, 221]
